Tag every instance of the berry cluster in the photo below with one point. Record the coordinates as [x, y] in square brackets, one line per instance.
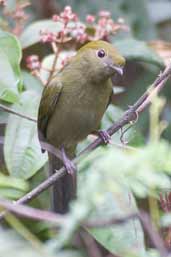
[99, 27]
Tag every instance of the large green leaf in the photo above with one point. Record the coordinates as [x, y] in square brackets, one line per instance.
[22, 150]
[13, 244]
[10, 57]
[31, 34]
[123, 240]
[11, 187]
[136, 50]
[31, 83]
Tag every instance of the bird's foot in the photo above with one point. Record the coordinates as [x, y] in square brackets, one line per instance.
[103, 134]
[69, 165]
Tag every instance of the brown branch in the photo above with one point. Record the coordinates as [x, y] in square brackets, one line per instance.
[129, 116]
[152, 233]
[90, 244]
[6, 109]
[56, 49]
[32, 213]
[98, 223]
[52, 70]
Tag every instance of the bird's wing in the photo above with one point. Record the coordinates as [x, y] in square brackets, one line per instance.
[50, 97]
[111, 95]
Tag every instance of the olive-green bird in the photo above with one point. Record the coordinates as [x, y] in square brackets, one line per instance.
[71, 108]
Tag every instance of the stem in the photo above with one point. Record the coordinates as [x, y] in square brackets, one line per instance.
[6, 109]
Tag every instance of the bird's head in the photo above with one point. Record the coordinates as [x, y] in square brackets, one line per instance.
[101, 59]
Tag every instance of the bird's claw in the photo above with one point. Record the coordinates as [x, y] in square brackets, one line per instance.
[104, 136]
[69, 165]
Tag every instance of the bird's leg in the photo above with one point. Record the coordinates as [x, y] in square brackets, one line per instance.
[103, 134]
[69, 165]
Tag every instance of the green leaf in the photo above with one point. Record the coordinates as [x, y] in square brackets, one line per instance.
[13, 244]
[31, 35]
[123, 240]
[21, 148]
[11, 187]
[32, 83]
[3, 117]
[136, 50]
[11, 193]
[166, 218]
[10, 77]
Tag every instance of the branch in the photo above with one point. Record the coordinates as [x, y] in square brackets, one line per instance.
[152, 233]
[58, 219]
[90, 244]
[56, 51]
[131, 115]
[6, 109]
[98, 223]
[32, 213]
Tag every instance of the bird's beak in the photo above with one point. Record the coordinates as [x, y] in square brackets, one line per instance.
[118, 69]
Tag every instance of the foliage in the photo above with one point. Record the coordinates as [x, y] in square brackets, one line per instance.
[114, 180]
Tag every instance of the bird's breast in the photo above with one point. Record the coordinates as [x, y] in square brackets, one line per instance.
[77, 114]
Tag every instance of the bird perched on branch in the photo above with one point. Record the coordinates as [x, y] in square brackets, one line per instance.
[72, 106]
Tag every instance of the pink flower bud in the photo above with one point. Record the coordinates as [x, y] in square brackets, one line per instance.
[47, 37]
[90, 18]
[68, 9]
[102, 22]
[55, 17]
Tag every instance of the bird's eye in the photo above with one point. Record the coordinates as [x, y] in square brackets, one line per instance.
[101, 53]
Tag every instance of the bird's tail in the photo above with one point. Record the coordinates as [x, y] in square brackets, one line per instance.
[64, 189]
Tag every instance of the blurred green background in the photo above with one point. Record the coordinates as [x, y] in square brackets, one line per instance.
[147, 48]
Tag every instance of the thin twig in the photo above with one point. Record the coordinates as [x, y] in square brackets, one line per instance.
[6, 109]
[98, 223]
[90, 244]
[56, 50]
[129, 116]
[52, 70]
[32, 213]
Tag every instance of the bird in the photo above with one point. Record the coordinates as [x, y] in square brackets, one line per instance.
[72, 106]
